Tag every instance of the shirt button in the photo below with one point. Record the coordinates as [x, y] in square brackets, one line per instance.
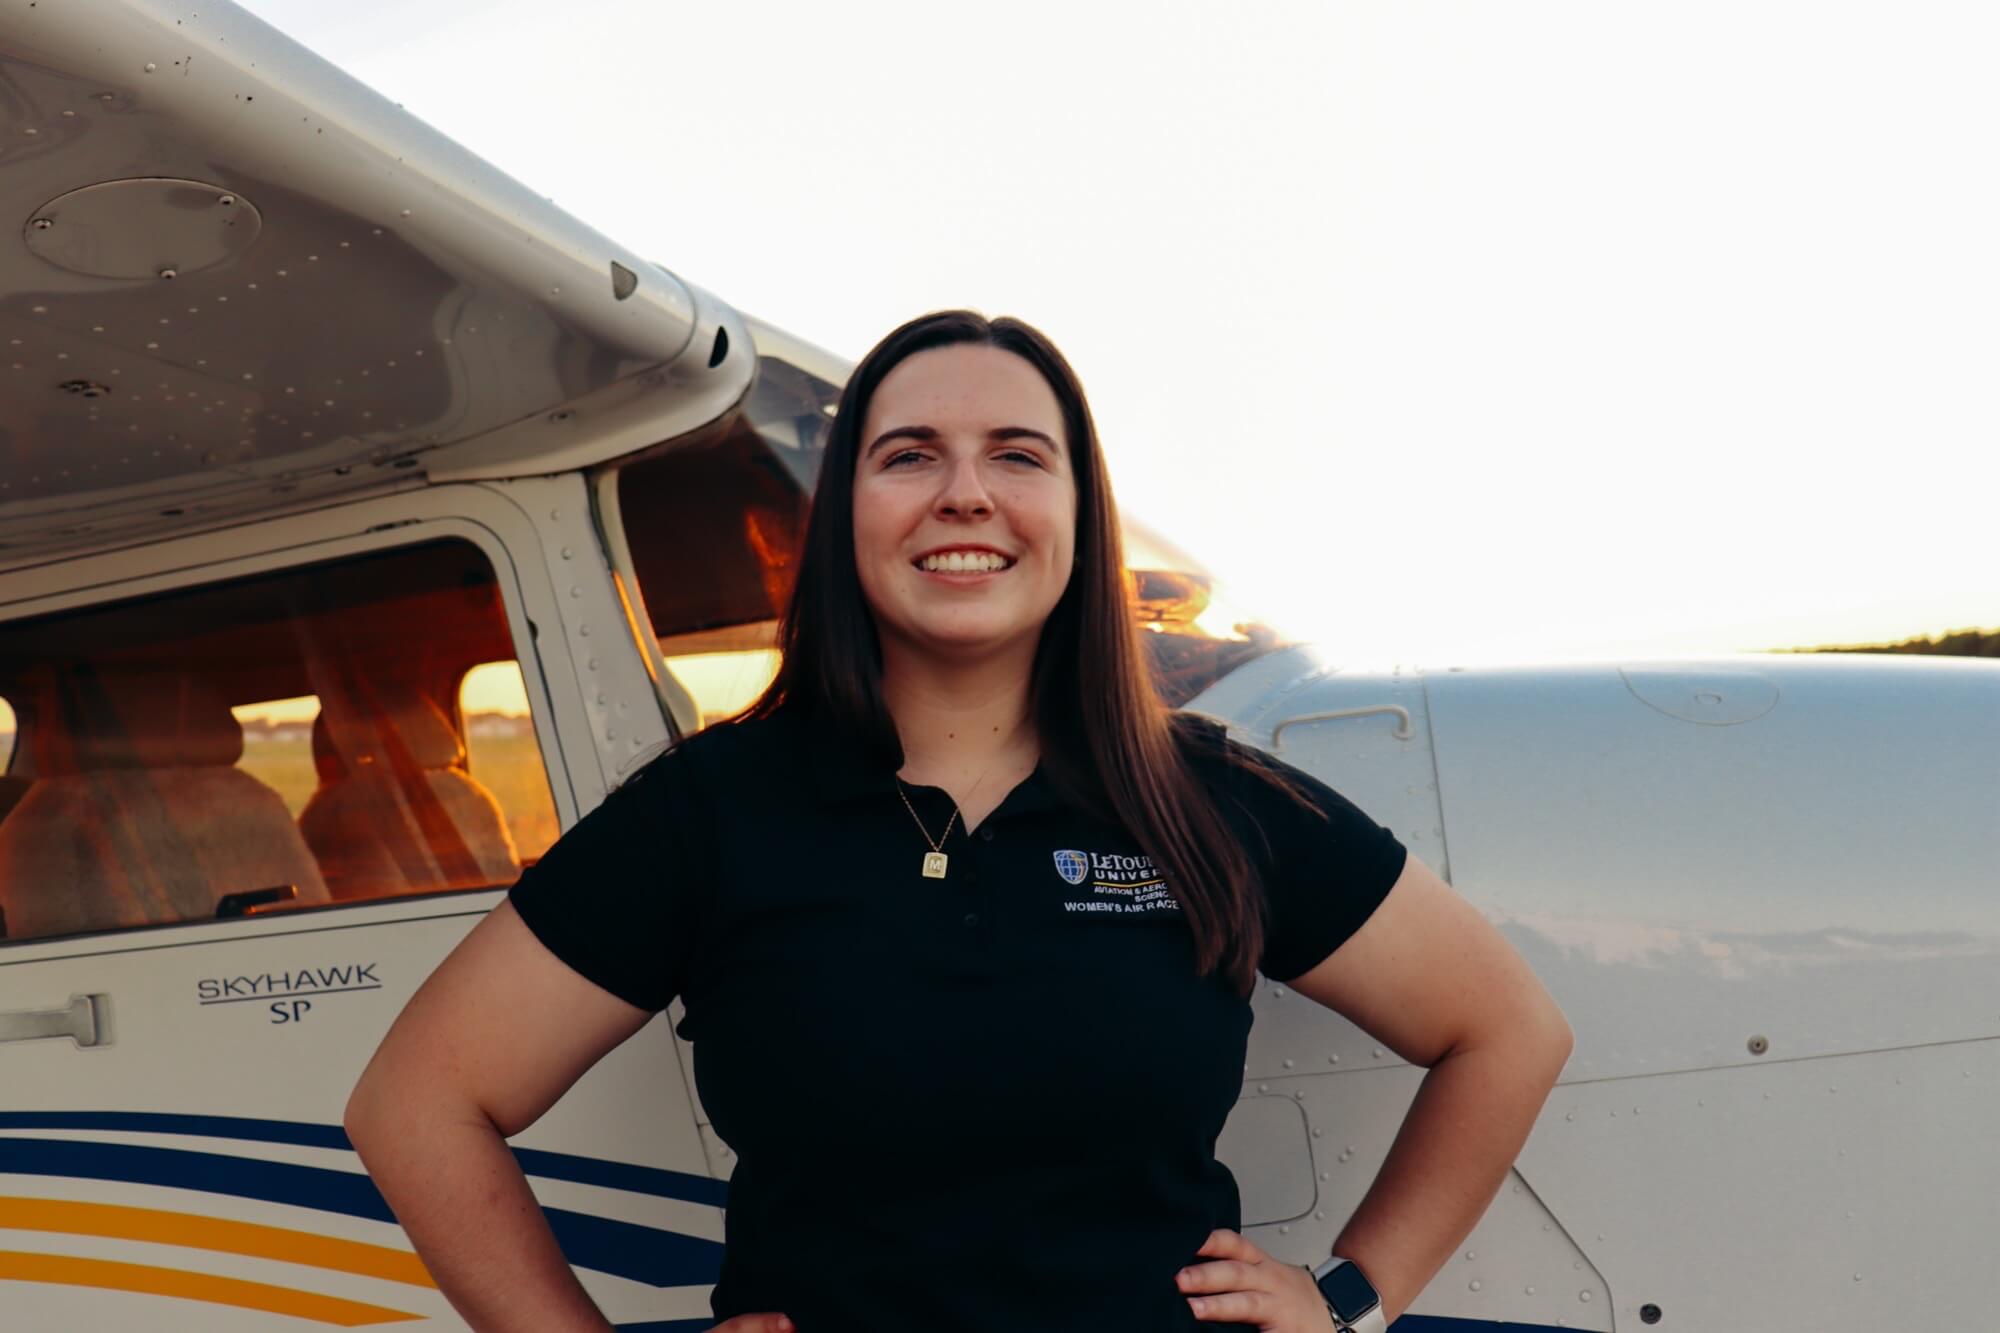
[971, 919]
[985, 833]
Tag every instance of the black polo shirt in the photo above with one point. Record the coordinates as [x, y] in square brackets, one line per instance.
[983, 1102]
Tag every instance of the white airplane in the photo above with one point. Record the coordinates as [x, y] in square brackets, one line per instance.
[363, 517]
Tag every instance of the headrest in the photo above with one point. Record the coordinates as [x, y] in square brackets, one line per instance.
[89, 720]
[421, 724]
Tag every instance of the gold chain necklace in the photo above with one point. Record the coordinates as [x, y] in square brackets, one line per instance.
[935, 861]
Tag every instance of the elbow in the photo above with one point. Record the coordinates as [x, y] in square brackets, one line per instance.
[1535, 1039]
[1533, 1032]
[384, 1111]
[373, 1106]
[355, 1117]
[1557, 1040]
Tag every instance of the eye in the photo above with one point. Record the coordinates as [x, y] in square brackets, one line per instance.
[896, 458]
[1024, 455]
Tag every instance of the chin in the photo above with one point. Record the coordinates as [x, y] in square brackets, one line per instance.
[962, 640]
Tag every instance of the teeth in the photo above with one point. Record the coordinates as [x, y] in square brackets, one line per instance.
[964, 562]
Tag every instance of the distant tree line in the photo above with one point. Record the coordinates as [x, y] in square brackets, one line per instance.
[1953, 643]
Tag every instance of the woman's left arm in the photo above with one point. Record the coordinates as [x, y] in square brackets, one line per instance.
[1429, 978]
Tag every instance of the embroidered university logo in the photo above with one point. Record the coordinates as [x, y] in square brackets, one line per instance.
[1072, 866]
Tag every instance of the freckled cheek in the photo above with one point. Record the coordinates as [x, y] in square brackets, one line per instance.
[879, 533]
[1036, 509]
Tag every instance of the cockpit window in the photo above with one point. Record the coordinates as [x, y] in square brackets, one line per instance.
[275, 742]
[1195, 632]
[715, 523]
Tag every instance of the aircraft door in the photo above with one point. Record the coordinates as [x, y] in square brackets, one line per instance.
[257, 810]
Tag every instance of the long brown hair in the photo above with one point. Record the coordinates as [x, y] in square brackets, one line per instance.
[1108, 740]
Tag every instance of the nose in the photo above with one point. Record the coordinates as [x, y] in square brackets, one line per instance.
[963, 493]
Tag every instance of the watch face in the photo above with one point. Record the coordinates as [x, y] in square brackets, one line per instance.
[1350, 1294]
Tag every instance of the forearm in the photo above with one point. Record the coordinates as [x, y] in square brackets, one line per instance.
[1463, 1131]
[465, 1205]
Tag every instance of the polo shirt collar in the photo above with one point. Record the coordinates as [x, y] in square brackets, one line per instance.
[844, 768]
[842, 764]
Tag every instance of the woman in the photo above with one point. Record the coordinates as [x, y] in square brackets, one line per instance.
[965, 923]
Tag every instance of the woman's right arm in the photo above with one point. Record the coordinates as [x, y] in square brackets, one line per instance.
[485, 1046]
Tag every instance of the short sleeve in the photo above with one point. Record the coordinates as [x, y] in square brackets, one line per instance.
[1322, 877]
[616, 897]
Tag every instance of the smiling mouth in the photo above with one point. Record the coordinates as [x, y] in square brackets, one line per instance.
[964, 562]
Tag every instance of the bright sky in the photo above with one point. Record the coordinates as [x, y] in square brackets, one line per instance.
[1444, 333]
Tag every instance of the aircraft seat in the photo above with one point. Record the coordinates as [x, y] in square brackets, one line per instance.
[137, 813]
[381, 823]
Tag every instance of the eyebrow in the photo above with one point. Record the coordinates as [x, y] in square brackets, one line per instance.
[929, 433]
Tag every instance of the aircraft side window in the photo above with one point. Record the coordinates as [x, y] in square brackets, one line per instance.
[277, 742]
[501, 754]
[714, 523]
[724, 683]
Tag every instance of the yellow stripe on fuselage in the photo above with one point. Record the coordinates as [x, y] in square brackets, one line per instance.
[69, 1271]
[213, 1233]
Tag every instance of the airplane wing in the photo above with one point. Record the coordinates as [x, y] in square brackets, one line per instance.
[239, 281]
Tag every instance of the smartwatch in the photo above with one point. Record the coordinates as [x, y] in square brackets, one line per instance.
[1350, 1297]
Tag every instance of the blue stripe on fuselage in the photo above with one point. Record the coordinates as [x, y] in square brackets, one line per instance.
[624, 1249]
[535, 1161]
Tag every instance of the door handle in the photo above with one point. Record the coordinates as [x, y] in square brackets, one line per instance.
[82, 1020]
[1402, 715]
